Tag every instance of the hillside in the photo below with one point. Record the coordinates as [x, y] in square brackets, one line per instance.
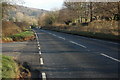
[18, 18]
[26, 11]
[30, 11]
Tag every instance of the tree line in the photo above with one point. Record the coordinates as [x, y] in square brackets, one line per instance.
[74, 13]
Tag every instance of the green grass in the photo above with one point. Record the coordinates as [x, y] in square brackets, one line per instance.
[22, 35]
[9, 67]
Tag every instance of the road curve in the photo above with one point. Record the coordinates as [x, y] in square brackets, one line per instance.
[71, 56]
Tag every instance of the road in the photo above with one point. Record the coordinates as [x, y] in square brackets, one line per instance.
[26, 53]
[59, 55]
[71, 56]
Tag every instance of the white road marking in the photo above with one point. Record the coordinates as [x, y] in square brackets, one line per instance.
[38, 45]
[54, 35]
[78, 44]
[110, 57]
[37, 41]
[39, 48]
[37, 37]
[61, 37]
[41, 61]
[57, 36]
[49, 33]
[43, 76]
[39, 52]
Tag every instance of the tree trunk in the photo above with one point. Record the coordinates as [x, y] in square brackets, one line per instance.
[91, 13]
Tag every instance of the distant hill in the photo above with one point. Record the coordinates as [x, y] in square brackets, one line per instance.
[27, 11]
[31, 11]
[17, 18]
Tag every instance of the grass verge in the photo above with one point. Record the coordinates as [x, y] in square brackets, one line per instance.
[96, 35]
[10, 68]
[23, 36]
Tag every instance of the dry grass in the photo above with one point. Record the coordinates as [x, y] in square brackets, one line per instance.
[106, 27]
[108, 30]
[9, 28]
[15, 32]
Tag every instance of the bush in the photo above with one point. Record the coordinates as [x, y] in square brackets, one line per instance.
[33, 26]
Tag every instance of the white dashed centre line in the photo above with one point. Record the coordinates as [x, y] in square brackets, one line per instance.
[57, 36]
[39, 52]
[61, 38]
[41, 61]
[54, 35]
[43, 76]
[39, 48]
[38, 45]
[49, 33]
[78, 44]
[110, 57]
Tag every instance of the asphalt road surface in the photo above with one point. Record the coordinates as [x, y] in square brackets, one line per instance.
[26, 53]
[56, 55]
[70, 56]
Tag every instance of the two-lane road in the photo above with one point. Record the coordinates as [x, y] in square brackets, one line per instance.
[71, 56]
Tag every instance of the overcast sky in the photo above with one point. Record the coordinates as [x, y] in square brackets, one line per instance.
[44, 4]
